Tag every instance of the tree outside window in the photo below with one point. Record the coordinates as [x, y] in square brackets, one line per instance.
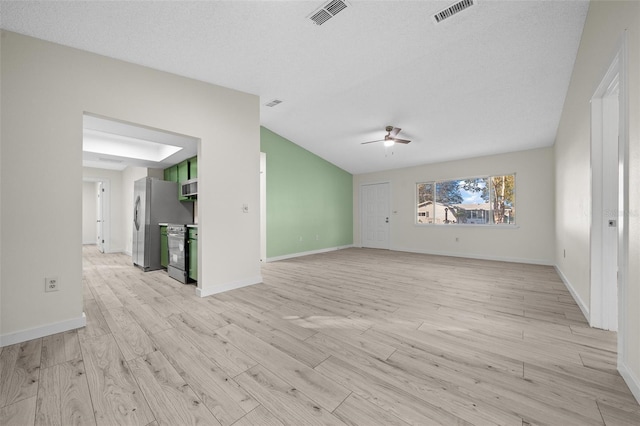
[473, 201]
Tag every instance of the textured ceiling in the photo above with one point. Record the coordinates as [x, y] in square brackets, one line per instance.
[491, 79]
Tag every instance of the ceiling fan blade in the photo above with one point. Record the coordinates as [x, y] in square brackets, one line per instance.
[394, 132]
[364, 143]
[404, 141]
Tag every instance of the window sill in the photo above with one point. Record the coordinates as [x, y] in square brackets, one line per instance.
[465, 225]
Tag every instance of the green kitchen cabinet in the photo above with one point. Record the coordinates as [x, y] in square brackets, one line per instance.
[183, 175]
[193, 254]
[164, 247]
[171, 174]
[186, 170]
[183, 171]
[193, 168]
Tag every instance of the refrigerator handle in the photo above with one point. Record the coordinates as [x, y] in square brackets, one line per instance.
[136, 208]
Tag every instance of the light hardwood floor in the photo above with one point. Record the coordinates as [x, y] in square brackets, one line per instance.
[356, 337]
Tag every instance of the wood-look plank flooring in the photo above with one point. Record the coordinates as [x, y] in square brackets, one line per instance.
[355, 337]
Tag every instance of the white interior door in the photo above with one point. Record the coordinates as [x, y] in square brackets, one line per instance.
[100, 217]
[605, 216]
[375, 208]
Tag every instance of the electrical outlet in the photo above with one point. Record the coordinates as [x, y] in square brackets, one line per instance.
[51, 284]
[317, 238]
[300, 239]
[457, 240]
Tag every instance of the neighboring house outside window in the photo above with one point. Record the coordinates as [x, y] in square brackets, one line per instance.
[472, 201]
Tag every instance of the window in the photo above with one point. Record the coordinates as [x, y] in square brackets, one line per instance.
[425, 202]
[472, 201]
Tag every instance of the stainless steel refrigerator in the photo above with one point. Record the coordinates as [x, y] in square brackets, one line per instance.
[154, 201]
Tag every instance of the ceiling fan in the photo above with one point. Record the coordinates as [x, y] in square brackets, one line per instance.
[390, 138]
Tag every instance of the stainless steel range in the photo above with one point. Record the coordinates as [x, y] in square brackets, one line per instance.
[178, 252]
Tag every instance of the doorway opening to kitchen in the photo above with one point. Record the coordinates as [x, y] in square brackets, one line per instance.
[116, 154]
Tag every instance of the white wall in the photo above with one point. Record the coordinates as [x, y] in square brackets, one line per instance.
[46, 88]
[113, 219]
[530, 241]
[604, 27]
[89, 212]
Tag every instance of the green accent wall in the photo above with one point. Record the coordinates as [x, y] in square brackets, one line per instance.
[307, 197]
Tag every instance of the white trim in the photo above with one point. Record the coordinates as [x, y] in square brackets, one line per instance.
[475, 256]
[623, 228]
[606, 154]
[263, 207]
[228, 286]
[307, 253]
[468, 225]
[583, 306]
[630, 379]
[106, 211]
[45, 330]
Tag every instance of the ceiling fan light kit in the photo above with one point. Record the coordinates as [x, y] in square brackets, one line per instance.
[390, 138]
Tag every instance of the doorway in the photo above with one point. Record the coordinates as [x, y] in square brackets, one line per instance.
[375, 206]
[99, 217]
[263, 207]
[608, 182]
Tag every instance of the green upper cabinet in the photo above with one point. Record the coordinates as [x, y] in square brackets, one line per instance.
[183, 175]
[186, 170]
[171, 174]
[193, 168]
[183, 171]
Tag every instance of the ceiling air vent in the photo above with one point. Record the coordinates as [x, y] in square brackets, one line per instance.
[273, 103]
[328, 11]
[452, 10]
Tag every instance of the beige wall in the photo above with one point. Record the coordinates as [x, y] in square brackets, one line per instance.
[46, 88]
[604, 28]
[530, 241]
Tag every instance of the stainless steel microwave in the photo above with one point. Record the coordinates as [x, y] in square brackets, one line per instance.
[189, 188]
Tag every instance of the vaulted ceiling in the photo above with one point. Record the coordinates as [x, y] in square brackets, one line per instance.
[489, 79]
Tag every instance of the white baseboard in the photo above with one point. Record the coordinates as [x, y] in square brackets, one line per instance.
[475, 256]
[228, 286]
[307, 253]
[583, 307]
[46, 330]
[631, 380]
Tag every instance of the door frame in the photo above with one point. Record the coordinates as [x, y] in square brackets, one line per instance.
[362, 222]
[100, 215]
[600, 295]
[263, 207]
[106, 210]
